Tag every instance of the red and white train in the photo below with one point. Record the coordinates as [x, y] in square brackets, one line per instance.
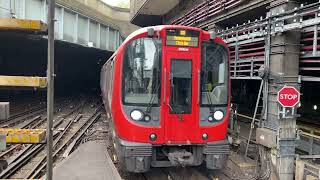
[166, 91]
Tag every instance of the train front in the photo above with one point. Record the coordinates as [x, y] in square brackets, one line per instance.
[171, 99]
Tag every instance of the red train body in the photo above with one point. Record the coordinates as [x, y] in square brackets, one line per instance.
[166, 91]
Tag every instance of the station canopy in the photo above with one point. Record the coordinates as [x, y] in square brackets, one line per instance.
[152, 11]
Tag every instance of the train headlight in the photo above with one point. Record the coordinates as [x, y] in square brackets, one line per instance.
[218, 115]
[210, 118]
[136, 115]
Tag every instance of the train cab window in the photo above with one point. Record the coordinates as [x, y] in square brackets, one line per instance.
[141, 72]
[214, 74]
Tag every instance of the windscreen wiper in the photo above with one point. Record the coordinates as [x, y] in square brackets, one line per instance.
[209, 100]
[173, 107]
[153, 97]
[155, 90]
[209, 97]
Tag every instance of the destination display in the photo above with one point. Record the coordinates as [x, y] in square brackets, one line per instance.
[181, 37]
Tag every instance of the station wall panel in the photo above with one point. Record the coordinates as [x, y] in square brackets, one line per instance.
[82, 30]
[112, 39]
[59, 23]
[35, 10]
[69, 26]
[93, 33]
[103, 37]
[5, 8]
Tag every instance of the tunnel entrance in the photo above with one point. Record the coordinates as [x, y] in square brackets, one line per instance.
[77, 67]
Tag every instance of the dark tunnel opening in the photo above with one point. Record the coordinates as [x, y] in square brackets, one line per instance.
[77, 67]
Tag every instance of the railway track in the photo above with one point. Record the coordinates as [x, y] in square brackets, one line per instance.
[37, 121]
[30, 162]
[17, 120]
[20, 105]
[70, 124]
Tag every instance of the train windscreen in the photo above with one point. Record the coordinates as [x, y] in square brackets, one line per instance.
[141, 72]
[214, 74]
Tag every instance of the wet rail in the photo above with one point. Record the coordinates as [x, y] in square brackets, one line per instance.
[71, 121]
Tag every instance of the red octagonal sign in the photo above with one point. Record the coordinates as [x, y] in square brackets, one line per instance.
[288, 96]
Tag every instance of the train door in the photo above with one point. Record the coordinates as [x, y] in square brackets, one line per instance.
[180, 111]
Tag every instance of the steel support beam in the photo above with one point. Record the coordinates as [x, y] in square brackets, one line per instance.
[23, 25]
[23, 81]
[38, 22]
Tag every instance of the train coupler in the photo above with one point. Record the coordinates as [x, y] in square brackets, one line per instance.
[181, 157]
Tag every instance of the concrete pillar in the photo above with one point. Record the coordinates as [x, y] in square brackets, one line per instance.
[284, 70]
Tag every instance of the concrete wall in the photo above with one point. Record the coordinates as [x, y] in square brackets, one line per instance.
[178, 11]
[117, 17]
[182, 8]
[135, 5]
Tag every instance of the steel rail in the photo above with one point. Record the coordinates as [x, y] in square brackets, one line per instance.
[26, 115]
[24, 156]
[10, 122]
[30, 110]
[14, 147]
[26, 112]
[54, 145]
[35, 173]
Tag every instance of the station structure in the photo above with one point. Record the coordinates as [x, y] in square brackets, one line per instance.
[89, 27]
[86, 33]
[93, 27]
[274, 49]
[273, 44]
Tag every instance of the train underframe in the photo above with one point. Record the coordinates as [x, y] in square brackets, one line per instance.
[139, 157]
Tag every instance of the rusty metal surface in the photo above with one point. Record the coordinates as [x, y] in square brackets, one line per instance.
[23, 25]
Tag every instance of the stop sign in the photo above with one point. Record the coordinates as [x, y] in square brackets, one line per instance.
[288, 96]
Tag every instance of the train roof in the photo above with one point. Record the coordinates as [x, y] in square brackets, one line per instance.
[158, 28]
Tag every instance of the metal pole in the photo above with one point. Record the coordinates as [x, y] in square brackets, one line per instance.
[50, 88]
[254, 117]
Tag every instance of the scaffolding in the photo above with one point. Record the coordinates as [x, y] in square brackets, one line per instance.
[249, 45]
